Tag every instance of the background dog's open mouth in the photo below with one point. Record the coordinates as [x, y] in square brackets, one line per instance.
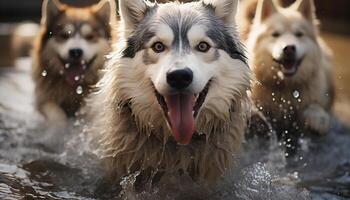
[289, 67]
[181, 110]
[75, 69]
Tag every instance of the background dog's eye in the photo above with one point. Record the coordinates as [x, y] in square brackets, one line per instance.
[203, 47]
[299, 34]
[90, 37]
[158, 47]
[64, 35]
[275, 34]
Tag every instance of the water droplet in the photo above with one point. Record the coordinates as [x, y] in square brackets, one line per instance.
[296, 94]
[44, 73]
[67, 65]
[76, 78]
[79, 90]
[50, 33]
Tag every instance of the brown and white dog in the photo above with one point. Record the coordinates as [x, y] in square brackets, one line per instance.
[69, 51]
[174, 95]
[294, 87]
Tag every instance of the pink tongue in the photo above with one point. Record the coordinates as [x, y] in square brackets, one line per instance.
[181, 118]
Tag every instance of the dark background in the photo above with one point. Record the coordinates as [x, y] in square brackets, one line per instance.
[19, 10]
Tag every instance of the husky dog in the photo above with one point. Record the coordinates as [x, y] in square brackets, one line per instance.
[245, 17]
[174, 96]
[69, 51]
[294, 86]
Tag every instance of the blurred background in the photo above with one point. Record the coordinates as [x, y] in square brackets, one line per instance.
[334, 17]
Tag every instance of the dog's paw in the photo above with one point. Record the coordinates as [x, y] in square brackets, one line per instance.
[317, 119]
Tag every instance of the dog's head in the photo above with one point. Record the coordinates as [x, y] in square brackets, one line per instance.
[284, 40]
[180, 62]
[76, 37]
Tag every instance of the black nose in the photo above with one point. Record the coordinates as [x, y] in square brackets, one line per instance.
[289, 51]
[75, 53]
[180, 78]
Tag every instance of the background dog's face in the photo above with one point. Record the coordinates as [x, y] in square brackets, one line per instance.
[76, 38]
[284, 40]
[184, 52]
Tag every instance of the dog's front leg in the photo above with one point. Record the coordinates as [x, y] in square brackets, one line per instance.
[317, 119]
[54, 114]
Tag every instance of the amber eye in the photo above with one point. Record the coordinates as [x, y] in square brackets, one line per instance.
[203, 47]
[299, 34]
[158, 47]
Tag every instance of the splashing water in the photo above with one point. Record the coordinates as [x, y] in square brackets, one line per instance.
[38, 162]
[44, 73]
[79, 90]
[296, 94]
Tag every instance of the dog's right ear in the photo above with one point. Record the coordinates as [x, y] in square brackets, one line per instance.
[265, 9]
[132, 12]
[50, 10]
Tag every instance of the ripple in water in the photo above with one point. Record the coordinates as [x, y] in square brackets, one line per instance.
[33, 168]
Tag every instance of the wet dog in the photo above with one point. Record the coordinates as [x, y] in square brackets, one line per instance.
[174, 96]
[294, 87]
[69, 51]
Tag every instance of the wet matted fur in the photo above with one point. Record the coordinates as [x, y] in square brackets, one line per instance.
[133, 128]
[295, 97]
[62, 29]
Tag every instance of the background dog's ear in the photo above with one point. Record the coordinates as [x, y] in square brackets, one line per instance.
[265, 9]
[106, 10]
[307, 8]
[132, 12]
[50, 10]
[224, 9]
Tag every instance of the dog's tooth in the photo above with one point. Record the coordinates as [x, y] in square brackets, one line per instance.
[76, 78]
[67, 65]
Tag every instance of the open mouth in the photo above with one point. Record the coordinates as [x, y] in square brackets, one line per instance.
[75, 69]
[181, 110]
[289, 67]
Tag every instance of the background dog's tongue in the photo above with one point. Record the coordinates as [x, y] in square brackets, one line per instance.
[180, 109]
[73, 72]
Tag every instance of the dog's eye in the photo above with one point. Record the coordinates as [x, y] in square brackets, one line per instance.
[203, 47]
[275, 34]
[90, 37]
[299, 34]
[64, 35]
[158, 47]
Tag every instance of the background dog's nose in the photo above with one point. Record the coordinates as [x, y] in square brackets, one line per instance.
[180, 78]
[75, 53]
[289, 50]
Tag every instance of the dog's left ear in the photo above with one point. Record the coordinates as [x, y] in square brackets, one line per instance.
[132, 12]
[105, 10]
[224, 9]
[307, 8]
